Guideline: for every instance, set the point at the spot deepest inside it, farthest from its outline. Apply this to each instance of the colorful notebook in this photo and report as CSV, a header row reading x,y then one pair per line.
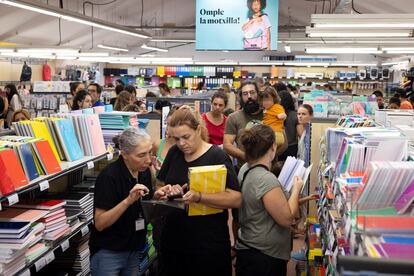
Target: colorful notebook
x,y
96,136
67,136
12,175
20,214
41,204
46,157
406,199
40,131
27,160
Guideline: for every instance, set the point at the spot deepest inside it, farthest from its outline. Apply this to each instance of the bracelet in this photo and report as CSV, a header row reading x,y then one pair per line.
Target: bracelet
x,y
199,199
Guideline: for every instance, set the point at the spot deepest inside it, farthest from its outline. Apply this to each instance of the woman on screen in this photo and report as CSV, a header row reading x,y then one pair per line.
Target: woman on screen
x,y
257,28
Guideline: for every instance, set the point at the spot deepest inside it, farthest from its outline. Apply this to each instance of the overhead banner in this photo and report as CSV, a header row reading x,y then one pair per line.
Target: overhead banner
x,y
250,25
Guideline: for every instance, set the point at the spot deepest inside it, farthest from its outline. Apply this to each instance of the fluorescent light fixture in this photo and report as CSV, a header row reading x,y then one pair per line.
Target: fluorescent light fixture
x,y
66,57
405,62
342,50
28,55
352,64
130,62
172,62
308,64
355,21
178,40
175,59
6,50
48,51
112,48
144,46
401,52
398,48
288,49
263,63
326,32
215,63
92,54
147,55
73,16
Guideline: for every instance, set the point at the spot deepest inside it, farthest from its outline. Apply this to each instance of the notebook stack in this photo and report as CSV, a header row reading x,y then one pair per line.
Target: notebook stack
x,y
293,167
15,238
12,175
87,129
148,254
77,203
59,132
75,259
113,123
55,220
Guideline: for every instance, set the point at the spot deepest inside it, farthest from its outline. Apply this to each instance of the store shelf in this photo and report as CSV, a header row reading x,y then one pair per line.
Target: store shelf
x,y
40,182
383,266
57,246
49,92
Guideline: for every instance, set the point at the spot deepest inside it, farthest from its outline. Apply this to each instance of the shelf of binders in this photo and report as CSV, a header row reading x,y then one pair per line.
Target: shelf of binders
x,y
57,247
42,182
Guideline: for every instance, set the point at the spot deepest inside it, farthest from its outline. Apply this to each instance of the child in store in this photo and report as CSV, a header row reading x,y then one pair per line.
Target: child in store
x,y
274,113
257,28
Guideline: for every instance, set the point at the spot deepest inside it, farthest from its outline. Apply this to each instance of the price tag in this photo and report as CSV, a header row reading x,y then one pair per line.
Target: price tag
x,y
44,185
109,156
65,245
49,257
25,273
84,230
13,199
40,264
90,165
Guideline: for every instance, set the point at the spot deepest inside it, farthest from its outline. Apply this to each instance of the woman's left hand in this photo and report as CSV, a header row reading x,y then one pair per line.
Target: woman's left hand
x,y
192,196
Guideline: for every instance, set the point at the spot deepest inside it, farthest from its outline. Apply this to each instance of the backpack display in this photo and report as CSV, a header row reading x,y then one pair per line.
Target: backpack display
x,y
26,74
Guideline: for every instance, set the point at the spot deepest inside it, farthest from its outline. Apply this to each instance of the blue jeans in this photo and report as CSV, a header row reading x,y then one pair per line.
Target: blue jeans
x,y
110,263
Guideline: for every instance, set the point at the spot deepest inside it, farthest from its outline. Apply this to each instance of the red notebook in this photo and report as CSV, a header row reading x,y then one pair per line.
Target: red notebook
x,y
12,175
40,204
46,157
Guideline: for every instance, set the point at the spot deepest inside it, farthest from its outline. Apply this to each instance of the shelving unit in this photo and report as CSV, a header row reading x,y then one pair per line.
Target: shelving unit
x,y
43,181
57,247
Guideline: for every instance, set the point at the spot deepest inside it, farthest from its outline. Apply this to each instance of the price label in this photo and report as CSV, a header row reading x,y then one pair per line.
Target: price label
x,y
109,156
25,273
90,165
49,257
13,199
44,185
65,245
84,230
40,264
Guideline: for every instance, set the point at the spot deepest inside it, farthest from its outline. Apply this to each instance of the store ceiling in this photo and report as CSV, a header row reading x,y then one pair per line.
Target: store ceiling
x,y
29,28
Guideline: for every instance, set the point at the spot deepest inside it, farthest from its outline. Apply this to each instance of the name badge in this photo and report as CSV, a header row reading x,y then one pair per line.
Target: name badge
x,y
139,224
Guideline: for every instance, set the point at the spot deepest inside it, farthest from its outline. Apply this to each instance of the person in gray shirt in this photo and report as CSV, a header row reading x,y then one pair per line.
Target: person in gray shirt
x,y
267,211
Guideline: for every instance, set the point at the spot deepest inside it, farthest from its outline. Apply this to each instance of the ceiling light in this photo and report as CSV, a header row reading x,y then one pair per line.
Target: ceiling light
x,y
154,48
308,64
326,32
376,21
171,62
130,62
173,40
112,48
93,54
352,64
215,63
28,55
396,63
73,16
48,51
398,50
288,49
340,50
401,52
6,50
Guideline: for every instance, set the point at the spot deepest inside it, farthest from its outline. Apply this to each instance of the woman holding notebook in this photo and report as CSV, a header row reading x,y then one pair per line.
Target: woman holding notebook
x,y
119,229
200,244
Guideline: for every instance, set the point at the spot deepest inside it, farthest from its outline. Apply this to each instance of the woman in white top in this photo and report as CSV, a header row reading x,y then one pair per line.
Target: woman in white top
x,y
15,102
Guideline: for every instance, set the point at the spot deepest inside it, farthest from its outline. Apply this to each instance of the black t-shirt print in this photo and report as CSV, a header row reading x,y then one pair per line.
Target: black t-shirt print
x,y
182,232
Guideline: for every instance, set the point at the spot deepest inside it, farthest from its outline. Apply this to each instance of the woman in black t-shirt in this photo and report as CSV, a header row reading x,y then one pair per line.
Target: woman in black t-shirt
x,y
119,229
195,245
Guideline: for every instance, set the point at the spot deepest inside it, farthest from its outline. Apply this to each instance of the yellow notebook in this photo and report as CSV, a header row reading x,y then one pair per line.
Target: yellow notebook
x,y
160,70
40,131
206,179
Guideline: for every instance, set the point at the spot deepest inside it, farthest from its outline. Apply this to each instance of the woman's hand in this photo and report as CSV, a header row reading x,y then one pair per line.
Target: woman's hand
x,y
177,189
297,184
192,196
161,193
136,192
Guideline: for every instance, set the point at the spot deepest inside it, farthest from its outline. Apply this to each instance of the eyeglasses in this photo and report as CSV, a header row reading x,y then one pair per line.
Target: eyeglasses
x,y
251,93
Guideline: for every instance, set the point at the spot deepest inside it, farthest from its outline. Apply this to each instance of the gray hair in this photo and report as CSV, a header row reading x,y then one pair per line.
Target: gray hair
x,y
130,138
